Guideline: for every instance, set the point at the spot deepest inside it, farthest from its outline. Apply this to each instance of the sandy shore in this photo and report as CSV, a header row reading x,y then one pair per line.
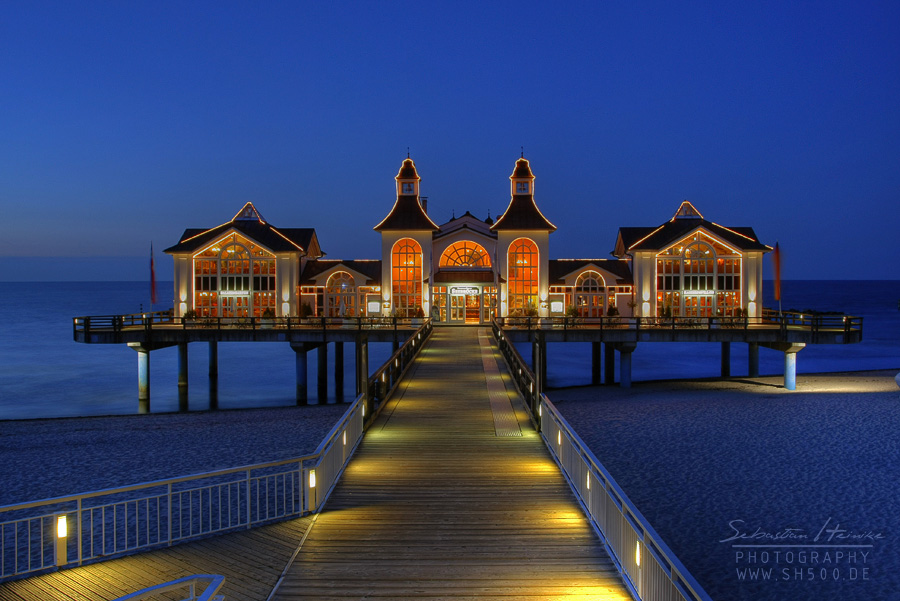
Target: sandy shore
x,y
694,456
55,457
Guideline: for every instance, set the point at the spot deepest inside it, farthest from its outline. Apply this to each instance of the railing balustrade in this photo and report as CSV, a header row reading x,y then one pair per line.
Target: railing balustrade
x,y
71,530
212,585
646,563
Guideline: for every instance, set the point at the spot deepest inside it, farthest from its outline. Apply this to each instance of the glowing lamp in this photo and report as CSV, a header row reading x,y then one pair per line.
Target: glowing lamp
x,y
62,557
646,295
587,481
182,308
345,437
285,308
645,309
312,478
558,437
540,410
637,553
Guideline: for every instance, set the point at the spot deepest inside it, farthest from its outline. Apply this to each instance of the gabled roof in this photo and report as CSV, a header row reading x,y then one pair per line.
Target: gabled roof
x,y
250,223
466,221
562,268
371,269
686,221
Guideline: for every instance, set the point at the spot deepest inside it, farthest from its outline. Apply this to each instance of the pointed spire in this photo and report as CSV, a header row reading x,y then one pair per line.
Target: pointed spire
x,y
522,212
408,213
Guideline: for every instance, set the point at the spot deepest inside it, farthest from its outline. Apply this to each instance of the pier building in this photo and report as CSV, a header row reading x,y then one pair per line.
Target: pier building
x,y
469,270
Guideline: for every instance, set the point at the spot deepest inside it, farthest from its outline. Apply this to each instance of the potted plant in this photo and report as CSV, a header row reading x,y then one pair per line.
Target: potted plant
x,y
418,315
268,318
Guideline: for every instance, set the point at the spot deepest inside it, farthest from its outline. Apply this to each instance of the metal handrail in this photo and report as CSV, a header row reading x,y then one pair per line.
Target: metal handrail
x,y
584,472
215,582
127,519
624,530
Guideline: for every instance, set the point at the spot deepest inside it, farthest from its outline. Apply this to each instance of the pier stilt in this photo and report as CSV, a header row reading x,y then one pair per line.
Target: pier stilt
x,y
596,363
300,366
790,351
362,371
322,383
339,370
726,359
753,359
182,376
143,381
609,358
213,375
625,351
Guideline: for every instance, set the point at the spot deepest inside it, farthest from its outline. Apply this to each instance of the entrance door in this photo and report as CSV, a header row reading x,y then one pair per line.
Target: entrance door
x,y
698,305
473,308
457,308
235,305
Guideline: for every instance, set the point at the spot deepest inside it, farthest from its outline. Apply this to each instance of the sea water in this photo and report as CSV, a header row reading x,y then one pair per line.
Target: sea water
x,y
44,373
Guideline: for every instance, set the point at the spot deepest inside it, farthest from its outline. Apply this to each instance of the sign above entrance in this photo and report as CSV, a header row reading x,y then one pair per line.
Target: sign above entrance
x,y
464,290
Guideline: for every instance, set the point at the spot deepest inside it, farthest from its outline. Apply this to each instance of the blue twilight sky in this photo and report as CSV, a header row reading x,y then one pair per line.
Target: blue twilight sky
x,y
126,122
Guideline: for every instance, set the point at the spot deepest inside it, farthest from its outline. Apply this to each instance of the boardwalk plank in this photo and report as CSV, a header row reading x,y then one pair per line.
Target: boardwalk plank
x,y
441,502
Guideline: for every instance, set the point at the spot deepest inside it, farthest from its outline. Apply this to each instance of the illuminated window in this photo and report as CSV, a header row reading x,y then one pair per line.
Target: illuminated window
x,y
406,277
521,187
522,275
408,188
234,277
590,294
698,277
465,254
340,295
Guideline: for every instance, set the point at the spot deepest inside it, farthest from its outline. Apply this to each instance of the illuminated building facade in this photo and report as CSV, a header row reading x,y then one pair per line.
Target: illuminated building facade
x,y
469,270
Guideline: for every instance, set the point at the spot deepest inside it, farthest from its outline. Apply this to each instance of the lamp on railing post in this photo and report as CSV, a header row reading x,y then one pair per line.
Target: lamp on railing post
x,y
62,538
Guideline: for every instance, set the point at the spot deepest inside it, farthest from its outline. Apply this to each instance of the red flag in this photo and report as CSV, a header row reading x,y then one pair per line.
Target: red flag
x,y
776,268
153,297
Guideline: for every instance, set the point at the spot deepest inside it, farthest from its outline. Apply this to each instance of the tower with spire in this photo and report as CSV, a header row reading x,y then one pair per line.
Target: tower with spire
x,y
406,235
523,226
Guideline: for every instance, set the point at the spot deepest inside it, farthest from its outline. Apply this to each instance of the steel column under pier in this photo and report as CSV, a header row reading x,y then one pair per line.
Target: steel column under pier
x,y
753,359
322,383
625,350
609,358
726,359
300,367
182,376
596,363
339,370
213,375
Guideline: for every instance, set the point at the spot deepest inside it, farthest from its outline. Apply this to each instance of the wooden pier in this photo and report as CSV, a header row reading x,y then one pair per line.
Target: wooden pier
x,y
451,494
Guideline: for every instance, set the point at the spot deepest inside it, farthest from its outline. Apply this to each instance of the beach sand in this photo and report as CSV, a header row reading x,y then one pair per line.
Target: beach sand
x,y
695,455
55,457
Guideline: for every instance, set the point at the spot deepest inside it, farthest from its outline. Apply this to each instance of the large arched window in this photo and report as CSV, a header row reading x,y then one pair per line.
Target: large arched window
x,y
522,274
590,294
234,277
406,276
698,277
465,254
340,295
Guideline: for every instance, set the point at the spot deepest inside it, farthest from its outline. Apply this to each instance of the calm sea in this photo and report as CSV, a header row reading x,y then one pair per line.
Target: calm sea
x,y
43,373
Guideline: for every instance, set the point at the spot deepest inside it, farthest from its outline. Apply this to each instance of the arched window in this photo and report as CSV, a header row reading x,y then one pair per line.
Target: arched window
x,y
522,274
406,276
340,295
590,294
698,277
465,254
234,277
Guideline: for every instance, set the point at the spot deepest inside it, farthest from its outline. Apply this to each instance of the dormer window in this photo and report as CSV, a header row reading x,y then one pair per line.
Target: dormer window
x,y
407,188
521,187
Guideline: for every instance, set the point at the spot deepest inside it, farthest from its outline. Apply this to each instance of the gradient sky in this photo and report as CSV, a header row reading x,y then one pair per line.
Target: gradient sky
x,y
126,122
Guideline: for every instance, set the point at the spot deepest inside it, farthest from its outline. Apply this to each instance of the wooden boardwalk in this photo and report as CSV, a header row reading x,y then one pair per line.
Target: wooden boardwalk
x,y
441,502
451,495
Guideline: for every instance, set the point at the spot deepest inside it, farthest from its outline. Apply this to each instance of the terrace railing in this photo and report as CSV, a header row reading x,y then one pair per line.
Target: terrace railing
x,y
82,327
211,583
71,530
646,563
783,322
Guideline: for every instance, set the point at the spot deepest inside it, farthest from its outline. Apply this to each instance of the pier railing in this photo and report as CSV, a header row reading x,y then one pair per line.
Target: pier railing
x,y
71,530
118,325
810,327
646,563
